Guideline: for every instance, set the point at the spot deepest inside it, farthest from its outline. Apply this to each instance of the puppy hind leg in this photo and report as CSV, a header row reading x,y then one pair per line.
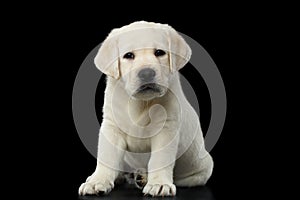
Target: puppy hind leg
x,y
200,178
193,180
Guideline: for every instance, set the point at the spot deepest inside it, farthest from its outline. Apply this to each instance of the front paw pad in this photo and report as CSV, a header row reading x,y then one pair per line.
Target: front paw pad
x,y
160,189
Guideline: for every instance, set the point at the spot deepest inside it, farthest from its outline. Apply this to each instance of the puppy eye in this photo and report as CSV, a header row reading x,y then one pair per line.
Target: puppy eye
x,y
128,55
159,52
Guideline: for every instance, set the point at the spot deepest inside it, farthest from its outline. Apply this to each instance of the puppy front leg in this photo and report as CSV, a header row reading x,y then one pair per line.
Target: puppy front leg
x,y
111,148
160,167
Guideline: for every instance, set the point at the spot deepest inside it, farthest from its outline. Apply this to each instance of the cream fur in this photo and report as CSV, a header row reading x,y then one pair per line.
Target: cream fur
x,y
164,124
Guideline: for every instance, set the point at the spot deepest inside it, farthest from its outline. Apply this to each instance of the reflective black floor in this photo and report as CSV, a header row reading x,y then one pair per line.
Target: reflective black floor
x,y
126,191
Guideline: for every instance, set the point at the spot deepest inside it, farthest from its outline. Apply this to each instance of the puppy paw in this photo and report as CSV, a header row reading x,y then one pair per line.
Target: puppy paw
x,y
95,187
160,189
140,178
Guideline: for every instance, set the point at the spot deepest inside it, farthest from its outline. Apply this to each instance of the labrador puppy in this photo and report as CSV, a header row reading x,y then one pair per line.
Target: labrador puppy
x,y
147,121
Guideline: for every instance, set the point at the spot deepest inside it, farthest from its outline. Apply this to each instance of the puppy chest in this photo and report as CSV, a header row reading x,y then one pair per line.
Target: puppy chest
x,y
139,114
138,145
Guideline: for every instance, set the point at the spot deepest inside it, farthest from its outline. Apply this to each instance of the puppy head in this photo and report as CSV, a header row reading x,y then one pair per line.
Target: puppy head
x,y
143,55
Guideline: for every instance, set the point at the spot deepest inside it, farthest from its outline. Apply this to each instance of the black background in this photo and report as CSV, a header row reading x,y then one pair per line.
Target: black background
x,y
54,40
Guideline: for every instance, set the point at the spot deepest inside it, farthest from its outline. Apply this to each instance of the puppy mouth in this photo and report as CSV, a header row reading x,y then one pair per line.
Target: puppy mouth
x,y
149,91
150,87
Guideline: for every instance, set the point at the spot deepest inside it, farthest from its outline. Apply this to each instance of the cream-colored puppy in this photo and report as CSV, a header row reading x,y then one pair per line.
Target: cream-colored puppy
x,y
147,121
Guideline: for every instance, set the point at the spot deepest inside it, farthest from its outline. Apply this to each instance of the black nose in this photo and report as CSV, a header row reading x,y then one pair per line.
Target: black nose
x,y
146,74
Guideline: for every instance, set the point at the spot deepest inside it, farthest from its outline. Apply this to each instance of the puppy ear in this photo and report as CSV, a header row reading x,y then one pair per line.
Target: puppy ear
x,y
107,58
179,51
